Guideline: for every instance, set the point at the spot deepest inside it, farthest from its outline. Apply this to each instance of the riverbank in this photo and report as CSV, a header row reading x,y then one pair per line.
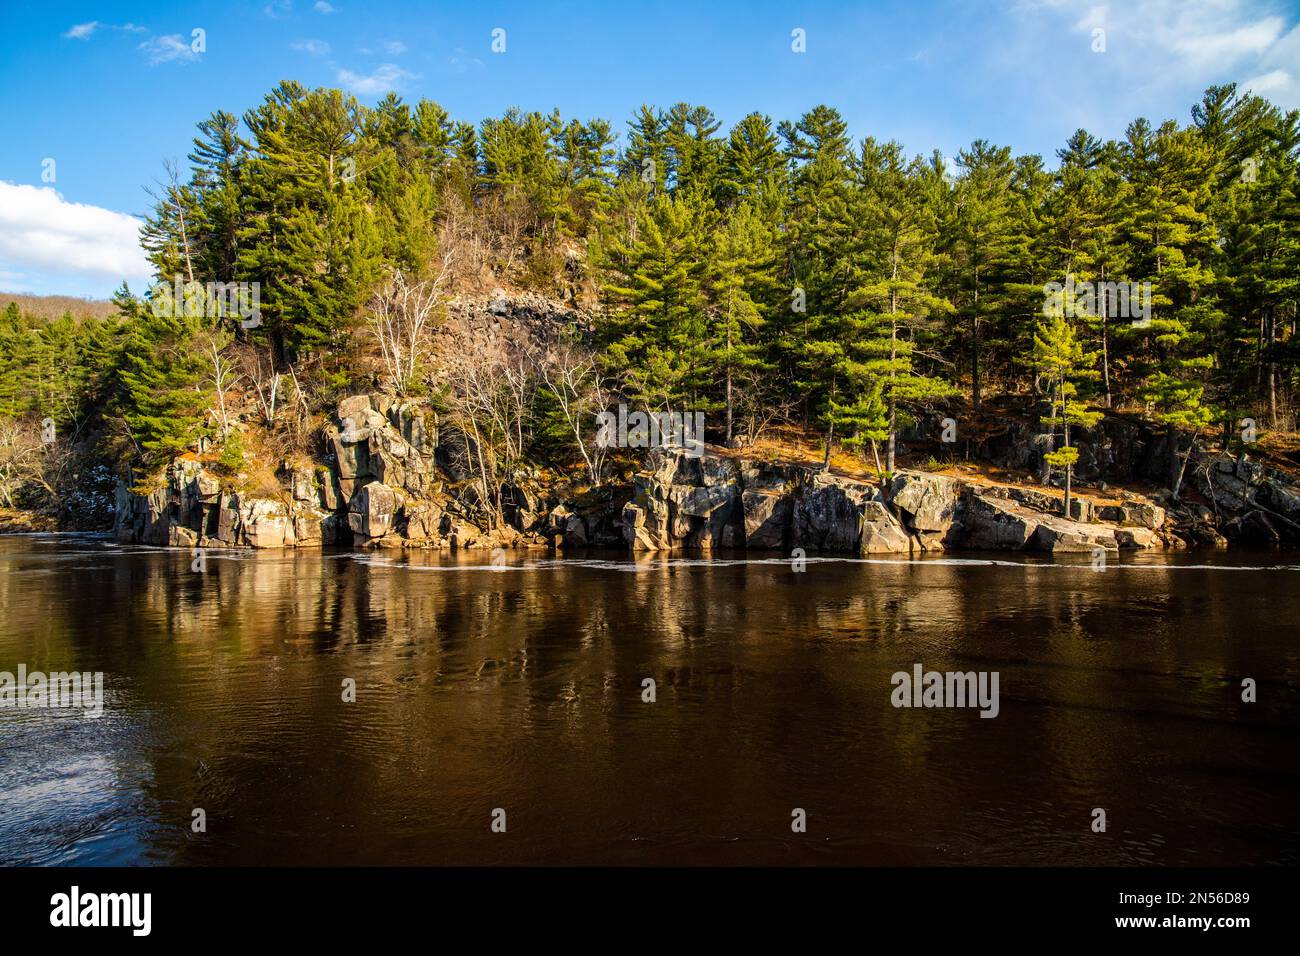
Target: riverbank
x,y
388,478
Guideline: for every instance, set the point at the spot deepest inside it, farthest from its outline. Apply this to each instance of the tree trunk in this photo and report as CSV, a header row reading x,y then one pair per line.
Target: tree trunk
x,y
1178,479
1069,473
728,442
975,347
1171,439
893,354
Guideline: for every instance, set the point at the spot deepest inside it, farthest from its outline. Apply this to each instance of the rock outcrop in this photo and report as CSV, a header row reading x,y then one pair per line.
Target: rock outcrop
x,y
380,486
391,478
684,504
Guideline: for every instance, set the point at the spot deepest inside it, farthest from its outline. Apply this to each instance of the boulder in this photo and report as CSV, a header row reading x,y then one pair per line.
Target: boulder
x,y
996,525
303,484
1137,539
575,533
423,519
266,524
702,516
881,531
351,453
827,515
373,510
1136,514
930,506
645,525
1059,535
767,518
229,521
353,408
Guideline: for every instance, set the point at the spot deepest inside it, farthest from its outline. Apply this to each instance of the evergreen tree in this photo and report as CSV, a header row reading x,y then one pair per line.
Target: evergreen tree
x,y
1059,358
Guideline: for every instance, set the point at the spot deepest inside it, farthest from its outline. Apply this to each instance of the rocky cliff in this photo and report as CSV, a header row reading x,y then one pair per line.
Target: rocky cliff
x,y
387,478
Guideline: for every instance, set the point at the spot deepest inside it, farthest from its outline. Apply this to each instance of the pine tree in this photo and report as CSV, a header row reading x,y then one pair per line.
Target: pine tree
x,y
657,334
890,291
1173,239
1059,358
753,169
983,234
742,292
165,398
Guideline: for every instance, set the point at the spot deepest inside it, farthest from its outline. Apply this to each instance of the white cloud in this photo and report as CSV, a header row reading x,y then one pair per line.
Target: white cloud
x,y
1207,33
82,31
1268,82
1279,79
1251,39
312,47
168,49
395,47
1155,49
323,8
278,8
461,62
387,77
68,242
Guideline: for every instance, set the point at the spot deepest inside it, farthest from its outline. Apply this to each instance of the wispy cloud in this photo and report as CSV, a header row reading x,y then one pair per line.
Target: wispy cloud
x,y
1251,39
40,229
1268,82
462,62
388,76
312,47
395,47
324,8
1162,44
82,31
171,48
278,8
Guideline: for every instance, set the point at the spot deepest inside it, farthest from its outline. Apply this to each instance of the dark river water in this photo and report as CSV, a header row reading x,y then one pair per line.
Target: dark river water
x,y
521,689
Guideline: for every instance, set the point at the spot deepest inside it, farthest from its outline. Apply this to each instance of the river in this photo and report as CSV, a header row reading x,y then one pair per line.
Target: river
x,y
521,688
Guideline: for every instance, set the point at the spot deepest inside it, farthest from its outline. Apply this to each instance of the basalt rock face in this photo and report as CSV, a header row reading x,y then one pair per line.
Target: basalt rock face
x,y
380,486
1251,503
390,477
711,502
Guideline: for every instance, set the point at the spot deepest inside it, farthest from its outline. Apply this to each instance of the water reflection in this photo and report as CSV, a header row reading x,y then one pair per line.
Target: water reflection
x,y
521,688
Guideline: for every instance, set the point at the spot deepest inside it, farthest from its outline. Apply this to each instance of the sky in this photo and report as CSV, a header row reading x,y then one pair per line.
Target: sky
x,y
95,96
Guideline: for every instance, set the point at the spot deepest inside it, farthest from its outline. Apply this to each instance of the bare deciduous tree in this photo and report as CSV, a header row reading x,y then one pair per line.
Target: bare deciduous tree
x,y
259,369
572,375
27,458
401,316
222,375
488,387
760,403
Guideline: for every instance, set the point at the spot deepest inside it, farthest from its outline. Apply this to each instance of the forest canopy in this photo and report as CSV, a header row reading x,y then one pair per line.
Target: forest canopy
x,y
776,271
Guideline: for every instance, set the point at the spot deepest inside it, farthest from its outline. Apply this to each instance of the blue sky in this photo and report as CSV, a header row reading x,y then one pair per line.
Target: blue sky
x,y
109,90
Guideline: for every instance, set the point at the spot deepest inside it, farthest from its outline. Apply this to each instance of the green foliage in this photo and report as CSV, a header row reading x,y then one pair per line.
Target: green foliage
x,y
167,394
234,455
846,284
